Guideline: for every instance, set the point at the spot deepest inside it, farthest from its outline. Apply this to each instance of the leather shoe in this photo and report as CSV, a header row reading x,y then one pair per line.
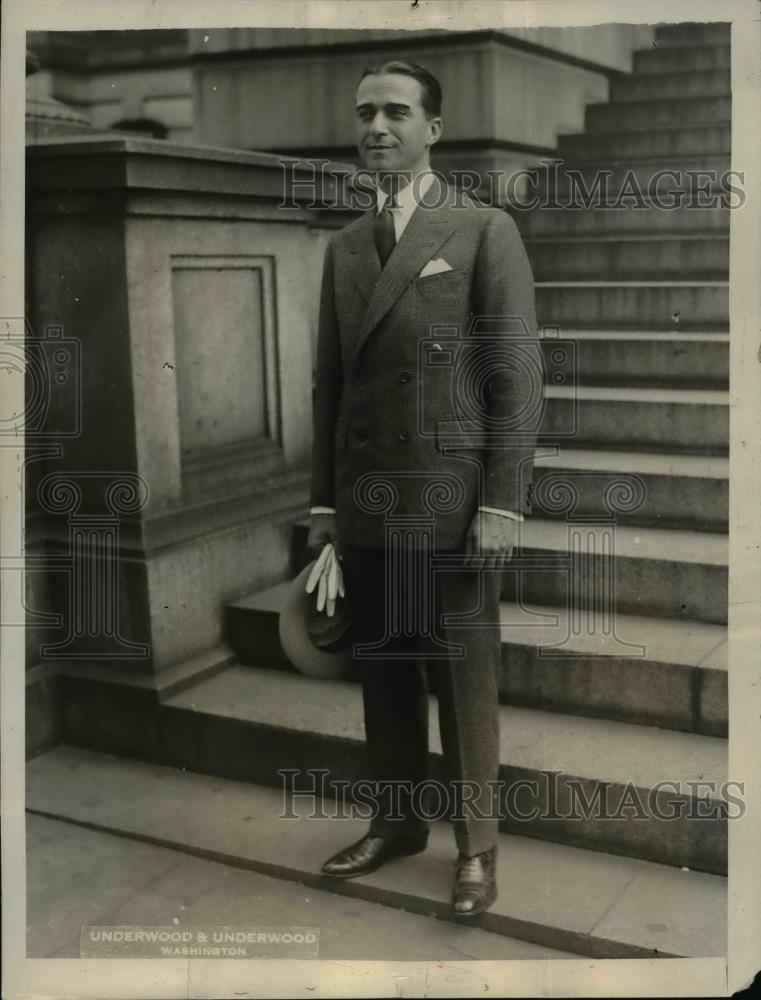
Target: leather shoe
x,y
475,884
370,852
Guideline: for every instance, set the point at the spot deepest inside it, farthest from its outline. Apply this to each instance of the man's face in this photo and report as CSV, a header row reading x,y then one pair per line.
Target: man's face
x,y
393,133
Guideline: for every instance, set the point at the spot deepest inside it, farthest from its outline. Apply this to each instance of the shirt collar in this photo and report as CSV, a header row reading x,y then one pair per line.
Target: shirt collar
x,y
405,200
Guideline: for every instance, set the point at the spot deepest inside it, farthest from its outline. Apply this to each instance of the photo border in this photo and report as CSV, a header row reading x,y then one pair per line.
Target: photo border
x,y
273,977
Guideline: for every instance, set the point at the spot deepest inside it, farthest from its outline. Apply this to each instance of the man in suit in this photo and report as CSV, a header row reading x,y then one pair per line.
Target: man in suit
x,y
427,400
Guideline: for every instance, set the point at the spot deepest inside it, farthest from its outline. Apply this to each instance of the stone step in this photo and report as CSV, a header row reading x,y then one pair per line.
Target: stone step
x,y
684,220
660,86
681,59
612,258
600,569
667,305
647,115
250,723
703,180
552,895
691,34
687,140
119,880
643,671
676,491
638,358
631,358
647,671
640,419
666,573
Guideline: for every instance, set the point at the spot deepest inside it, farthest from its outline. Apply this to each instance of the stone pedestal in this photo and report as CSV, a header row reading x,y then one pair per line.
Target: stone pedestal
x,y
174,309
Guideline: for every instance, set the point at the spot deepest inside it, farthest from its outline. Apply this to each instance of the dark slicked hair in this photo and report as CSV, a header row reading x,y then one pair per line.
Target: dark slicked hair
x,y
431,96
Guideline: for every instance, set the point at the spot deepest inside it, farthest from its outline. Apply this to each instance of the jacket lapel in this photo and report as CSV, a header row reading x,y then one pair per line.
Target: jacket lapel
x,y
425,232
365,267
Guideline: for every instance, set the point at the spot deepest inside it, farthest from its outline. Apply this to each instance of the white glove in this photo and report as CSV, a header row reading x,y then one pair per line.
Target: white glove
x,y
327,576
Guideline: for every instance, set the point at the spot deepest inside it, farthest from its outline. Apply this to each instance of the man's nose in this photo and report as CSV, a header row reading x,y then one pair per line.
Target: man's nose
x,y
378,125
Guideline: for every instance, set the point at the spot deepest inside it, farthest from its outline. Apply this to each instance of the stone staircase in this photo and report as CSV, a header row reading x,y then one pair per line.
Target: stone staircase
x,y
638,368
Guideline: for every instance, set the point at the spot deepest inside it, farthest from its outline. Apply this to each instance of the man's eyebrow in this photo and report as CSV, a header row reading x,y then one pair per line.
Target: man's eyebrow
x,y
389,105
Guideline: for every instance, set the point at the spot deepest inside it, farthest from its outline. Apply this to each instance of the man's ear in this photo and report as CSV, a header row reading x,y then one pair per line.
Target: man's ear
x,y
435,128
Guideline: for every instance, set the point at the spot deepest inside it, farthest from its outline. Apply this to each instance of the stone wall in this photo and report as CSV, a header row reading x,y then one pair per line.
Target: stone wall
x,y
512,90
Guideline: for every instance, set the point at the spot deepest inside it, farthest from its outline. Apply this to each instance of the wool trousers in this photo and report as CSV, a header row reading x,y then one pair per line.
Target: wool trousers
x,y
406,641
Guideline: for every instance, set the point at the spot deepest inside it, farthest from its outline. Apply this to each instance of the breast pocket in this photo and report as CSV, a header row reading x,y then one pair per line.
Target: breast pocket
x,y
443,281
441,298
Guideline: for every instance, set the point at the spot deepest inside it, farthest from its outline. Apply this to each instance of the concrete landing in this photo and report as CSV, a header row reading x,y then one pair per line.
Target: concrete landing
x,y
552,895
81,877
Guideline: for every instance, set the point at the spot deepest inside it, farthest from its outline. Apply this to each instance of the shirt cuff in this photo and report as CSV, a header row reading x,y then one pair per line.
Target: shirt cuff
x,y
505,513
322,510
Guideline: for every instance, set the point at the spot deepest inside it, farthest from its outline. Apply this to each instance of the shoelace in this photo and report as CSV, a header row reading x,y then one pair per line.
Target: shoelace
x,y
469,867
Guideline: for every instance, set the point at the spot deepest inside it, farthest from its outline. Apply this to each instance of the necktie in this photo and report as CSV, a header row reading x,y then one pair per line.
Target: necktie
x,y
385,236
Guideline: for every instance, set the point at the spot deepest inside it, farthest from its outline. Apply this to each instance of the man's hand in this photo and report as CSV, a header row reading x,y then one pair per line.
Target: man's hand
x,y
322,529
490,540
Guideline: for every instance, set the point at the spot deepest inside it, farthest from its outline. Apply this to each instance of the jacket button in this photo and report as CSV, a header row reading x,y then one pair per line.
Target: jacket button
x,y
404,377
404,435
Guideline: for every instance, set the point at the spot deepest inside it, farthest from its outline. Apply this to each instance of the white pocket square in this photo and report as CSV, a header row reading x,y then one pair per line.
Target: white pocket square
x,y
435,267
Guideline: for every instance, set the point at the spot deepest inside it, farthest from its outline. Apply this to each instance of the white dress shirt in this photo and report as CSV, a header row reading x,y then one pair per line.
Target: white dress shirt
x,y
405,200
406,204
